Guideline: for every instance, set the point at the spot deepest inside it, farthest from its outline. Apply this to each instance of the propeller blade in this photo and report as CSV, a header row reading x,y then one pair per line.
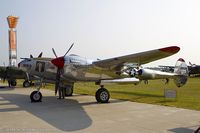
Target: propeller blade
x,y
69,49
54,53
40,55
58,74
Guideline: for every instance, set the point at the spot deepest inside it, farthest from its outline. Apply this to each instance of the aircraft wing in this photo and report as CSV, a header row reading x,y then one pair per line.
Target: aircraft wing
x,y
2,71
139,58
11,72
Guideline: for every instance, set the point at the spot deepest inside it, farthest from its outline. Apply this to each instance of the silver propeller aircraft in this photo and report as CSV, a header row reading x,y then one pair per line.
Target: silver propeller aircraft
x,y
179,75
66,70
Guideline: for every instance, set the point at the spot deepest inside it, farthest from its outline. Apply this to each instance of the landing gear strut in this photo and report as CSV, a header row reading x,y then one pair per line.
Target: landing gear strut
x,y
12,82
102,95
36,96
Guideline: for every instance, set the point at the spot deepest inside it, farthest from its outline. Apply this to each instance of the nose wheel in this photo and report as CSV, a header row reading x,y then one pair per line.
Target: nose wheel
x,y
36,96
102,95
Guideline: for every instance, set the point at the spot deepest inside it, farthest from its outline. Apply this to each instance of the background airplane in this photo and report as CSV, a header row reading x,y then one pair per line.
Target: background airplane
x,y
179,75
65,70
194,70
11,74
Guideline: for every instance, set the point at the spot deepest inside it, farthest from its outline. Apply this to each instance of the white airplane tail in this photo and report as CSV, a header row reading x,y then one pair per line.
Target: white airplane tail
x,y
181,71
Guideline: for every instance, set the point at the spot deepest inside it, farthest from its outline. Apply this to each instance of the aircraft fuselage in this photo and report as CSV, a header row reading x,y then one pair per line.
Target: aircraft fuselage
x,y
76,68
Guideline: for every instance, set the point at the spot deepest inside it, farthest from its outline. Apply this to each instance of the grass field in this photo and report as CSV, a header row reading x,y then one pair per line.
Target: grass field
x,y
188,96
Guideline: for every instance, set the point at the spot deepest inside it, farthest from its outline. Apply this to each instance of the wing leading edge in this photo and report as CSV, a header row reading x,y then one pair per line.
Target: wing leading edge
x,y
139,58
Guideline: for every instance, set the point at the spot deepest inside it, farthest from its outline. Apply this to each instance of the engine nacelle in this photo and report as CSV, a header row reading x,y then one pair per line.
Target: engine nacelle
x,y
145,74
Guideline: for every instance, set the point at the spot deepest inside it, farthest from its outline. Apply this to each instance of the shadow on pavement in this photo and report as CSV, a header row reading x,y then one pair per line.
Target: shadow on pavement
x,y
6,88
65,115
181,130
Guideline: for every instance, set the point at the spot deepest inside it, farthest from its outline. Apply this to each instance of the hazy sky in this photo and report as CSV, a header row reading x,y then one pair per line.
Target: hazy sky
x,y
103,28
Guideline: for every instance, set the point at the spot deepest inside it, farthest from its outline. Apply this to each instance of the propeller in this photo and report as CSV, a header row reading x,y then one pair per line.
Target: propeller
x,y
69,49
59,63
58,75
54,53
39,56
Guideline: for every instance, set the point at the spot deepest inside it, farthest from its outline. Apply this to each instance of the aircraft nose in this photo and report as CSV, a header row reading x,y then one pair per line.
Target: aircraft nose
x,y
58,62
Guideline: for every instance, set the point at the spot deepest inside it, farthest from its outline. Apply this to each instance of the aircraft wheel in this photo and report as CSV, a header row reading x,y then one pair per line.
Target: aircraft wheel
x,y
36,96
102,95
69,90
26,84
13,83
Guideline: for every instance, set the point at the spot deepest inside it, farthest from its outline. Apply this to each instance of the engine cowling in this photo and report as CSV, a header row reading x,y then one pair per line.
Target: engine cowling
x,y
145,74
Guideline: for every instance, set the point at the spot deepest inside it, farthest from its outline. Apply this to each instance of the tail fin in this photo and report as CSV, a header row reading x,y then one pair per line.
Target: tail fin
x,y
181,70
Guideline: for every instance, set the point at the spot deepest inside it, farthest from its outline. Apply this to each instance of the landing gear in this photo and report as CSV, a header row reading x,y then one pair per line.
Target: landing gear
x,y
146,82
26,84
102,95
36,96
69,90
65,91
12,83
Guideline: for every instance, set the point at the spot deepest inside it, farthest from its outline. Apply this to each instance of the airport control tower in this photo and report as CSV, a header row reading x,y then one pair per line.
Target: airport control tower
x,y
12,23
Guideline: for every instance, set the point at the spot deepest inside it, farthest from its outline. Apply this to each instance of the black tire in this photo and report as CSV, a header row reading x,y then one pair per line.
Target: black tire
x,y
36,96
13,83
26,84
102,95
69,90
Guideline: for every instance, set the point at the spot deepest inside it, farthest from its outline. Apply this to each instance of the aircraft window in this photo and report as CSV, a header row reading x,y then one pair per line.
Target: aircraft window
x,y
40,66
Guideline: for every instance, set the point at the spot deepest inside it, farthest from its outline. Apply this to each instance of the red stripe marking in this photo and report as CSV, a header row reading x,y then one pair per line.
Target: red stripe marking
x,y
181,59
172,49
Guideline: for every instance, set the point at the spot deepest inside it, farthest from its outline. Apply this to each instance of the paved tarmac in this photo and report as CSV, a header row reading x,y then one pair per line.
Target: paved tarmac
x,y
81,114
